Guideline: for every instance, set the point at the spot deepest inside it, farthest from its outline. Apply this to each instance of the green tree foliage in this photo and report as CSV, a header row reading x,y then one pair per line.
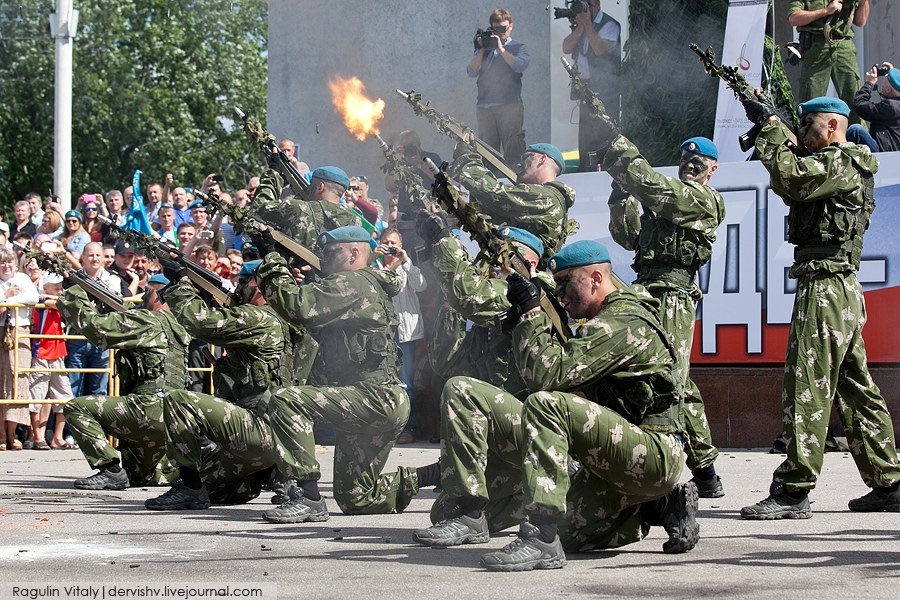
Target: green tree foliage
x,y
667,97
153,86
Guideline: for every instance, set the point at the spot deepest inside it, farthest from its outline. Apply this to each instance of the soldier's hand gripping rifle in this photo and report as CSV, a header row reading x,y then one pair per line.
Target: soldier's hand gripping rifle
x,y
292,251
742,89
52,263
497,250
446,125
204,280
275,156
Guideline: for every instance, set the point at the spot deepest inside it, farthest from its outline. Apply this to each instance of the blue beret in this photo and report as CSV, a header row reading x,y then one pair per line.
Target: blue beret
x,y
197,204
893,78
159,278
824,104
73,213
525,237
551,151
577,254
702,146
333,174
348,233
249,268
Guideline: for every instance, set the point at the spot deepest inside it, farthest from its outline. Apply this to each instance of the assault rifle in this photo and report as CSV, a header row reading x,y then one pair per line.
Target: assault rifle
x,y
395,165
493,247
283,164
588,96
293,251
446,125
52,263
742,89
201,278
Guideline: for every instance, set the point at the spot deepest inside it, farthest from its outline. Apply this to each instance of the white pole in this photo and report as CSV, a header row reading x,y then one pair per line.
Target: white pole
x,y
63,24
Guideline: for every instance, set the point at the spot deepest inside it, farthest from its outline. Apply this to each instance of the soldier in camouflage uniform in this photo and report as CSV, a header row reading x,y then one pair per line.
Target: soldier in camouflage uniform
x,y
151,359
826,43
537,203
303,220
609,398
354,387
830,195
481,433
672,238
261,352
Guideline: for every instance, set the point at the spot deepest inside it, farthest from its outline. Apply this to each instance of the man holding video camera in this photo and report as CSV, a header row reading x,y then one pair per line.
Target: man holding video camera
x,y
499,63
596,49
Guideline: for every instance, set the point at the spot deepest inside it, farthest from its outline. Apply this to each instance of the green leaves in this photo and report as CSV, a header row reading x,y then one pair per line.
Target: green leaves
x,y
153,86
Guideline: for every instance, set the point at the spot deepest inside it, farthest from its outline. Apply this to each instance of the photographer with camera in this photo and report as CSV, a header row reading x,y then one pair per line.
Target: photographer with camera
x,y
596,49
499,63
882,114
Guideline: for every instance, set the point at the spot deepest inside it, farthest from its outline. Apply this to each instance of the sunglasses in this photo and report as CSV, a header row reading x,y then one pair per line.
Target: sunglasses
x,y
72,221
86,209
355,188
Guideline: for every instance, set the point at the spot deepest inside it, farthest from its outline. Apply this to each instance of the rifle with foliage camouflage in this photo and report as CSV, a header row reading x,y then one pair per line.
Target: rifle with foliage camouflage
x,y
292,251
53,263
742,89
275,156
446,125
204,280
495,249
395,166
588,96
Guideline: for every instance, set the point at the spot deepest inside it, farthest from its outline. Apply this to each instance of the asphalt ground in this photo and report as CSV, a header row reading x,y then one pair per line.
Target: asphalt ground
x,y
54,535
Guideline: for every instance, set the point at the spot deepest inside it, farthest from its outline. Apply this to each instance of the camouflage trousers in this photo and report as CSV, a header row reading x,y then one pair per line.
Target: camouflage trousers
x,y
246,450
623,466
366,420
825,362
823,63
481,450
677,315
137,421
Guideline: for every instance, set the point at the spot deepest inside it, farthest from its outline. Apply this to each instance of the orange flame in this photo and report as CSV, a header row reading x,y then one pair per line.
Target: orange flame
x,y
360,114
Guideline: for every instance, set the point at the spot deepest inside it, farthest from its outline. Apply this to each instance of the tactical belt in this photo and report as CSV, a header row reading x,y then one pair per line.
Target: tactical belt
x,y
678,275
815,252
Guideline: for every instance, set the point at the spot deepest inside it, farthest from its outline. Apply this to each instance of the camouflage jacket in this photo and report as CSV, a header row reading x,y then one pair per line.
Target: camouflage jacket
x,y
620,359
830,196
301,220
541,209
350,315
485,350
152,345
674,234
262,351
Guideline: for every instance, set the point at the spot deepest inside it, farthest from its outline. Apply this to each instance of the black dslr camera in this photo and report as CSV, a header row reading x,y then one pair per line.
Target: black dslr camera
x,y
881,70
484,38
573,7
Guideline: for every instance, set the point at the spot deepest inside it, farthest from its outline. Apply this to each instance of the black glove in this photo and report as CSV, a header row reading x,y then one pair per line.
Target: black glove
x,y
431,227
273,161
68,282
522,293
263,241
607,131
757,111
172,269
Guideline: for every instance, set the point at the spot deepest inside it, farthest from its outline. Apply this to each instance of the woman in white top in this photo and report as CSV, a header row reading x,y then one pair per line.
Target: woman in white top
x,y
15,288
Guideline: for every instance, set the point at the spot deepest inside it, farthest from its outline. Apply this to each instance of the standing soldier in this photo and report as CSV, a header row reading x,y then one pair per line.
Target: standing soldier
x,y
672,237
261,352
538,203
151,360
354,387
830,198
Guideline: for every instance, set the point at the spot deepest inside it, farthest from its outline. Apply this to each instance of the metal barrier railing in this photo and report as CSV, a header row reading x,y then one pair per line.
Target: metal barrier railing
x,y
17,369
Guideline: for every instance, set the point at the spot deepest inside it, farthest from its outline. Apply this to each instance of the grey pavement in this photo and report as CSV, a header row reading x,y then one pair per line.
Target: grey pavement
x,y
50,532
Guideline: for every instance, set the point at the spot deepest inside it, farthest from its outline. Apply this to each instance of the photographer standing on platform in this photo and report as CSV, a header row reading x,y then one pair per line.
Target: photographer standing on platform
x,y
498,63
595,44
882,112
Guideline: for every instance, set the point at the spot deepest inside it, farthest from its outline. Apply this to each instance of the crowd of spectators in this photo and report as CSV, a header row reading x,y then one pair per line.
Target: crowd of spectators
x,y
80,237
